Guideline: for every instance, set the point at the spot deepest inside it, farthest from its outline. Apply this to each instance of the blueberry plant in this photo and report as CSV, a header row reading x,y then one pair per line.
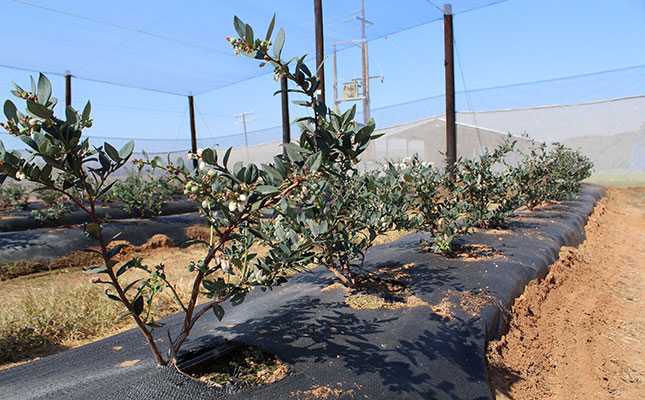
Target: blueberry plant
x,y
267,207
486,190
141,196
13,196
548,173
437,205
56,207
485,184
60,160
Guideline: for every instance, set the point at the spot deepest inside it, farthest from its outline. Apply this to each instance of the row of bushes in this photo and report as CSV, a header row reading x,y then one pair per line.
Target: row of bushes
x,y
138,195
308,205
486,190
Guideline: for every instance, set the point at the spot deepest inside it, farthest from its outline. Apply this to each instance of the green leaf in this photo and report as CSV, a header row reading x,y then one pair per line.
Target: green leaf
x,y
105,162
248,31
86,111
259,234
95,270
226,156
219,311
273,172
39,110
238,298
239,26
279,165
156,162
209,156
10,111
106,189
267,189
130,285
111,296
126,150
294,152
270,30
137,305
29,142
112,152
279,43
251,173
192,242
44,89
349,115
114,251
70,115
127,266
314,161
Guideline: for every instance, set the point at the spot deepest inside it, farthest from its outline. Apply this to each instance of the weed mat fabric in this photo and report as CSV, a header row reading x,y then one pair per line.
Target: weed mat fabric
x,y
51,243
23,220
335,351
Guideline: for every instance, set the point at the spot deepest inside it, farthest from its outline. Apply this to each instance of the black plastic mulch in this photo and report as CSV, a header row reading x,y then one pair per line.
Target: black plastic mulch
x,y
409,353
51,243
24,220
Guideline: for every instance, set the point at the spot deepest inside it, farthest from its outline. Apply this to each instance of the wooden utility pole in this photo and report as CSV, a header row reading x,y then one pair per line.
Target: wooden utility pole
x,y
193,135
335,77
451,127
366,68
320,51
286,129
68,88
244,116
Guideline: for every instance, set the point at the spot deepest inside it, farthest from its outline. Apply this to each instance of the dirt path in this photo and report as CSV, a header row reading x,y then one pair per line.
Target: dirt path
x,y
580,333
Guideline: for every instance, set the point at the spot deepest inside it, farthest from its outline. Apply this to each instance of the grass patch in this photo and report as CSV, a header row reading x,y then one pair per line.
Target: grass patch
x,y
53,316
14,269
618,178
377,293
52,306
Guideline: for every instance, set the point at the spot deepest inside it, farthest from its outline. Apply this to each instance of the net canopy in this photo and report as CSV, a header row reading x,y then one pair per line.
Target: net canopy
x,y
179,46
552,70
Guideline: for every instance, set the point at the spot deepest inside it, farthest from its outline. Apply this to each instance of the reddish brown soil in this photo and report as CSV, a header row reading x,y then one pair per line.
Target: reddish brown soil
x,y
579,333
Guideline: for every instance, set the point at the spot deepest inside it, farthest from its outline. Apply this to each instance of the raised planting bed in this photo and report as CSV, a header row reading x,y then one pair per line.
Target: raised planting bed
x,y
433,348
51,243
24,220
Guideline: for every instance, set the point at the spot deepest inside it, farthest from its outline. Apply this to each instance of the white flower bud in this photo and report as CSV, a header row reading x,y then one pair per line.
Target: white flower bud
x,y
205,204
243,198
20,175
232,206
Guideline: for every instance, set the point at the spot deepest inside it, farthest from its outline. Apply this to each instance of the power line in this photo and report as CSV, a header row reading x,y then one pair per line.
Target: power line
x,y
205,124
435,6
470,105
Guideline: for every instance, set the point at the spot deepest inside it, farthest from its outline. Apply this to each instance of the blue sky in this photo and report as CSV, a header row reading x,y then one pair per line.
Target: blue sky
x,y
513,42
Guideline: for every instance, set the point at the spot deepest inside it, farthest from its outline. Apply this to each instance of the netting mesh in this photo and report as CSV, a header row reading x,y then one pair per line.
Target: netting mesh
x,y
177,49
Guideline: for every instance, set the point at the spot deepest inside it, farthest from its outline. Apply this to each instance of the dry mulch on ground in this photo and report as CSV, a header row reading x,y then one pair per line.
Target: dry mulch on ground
x,y
579,333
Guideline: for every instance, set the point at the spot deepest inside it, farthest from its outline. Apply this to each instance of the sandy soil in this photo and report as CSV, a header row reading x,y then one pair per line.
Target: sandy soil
x,y
579,333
